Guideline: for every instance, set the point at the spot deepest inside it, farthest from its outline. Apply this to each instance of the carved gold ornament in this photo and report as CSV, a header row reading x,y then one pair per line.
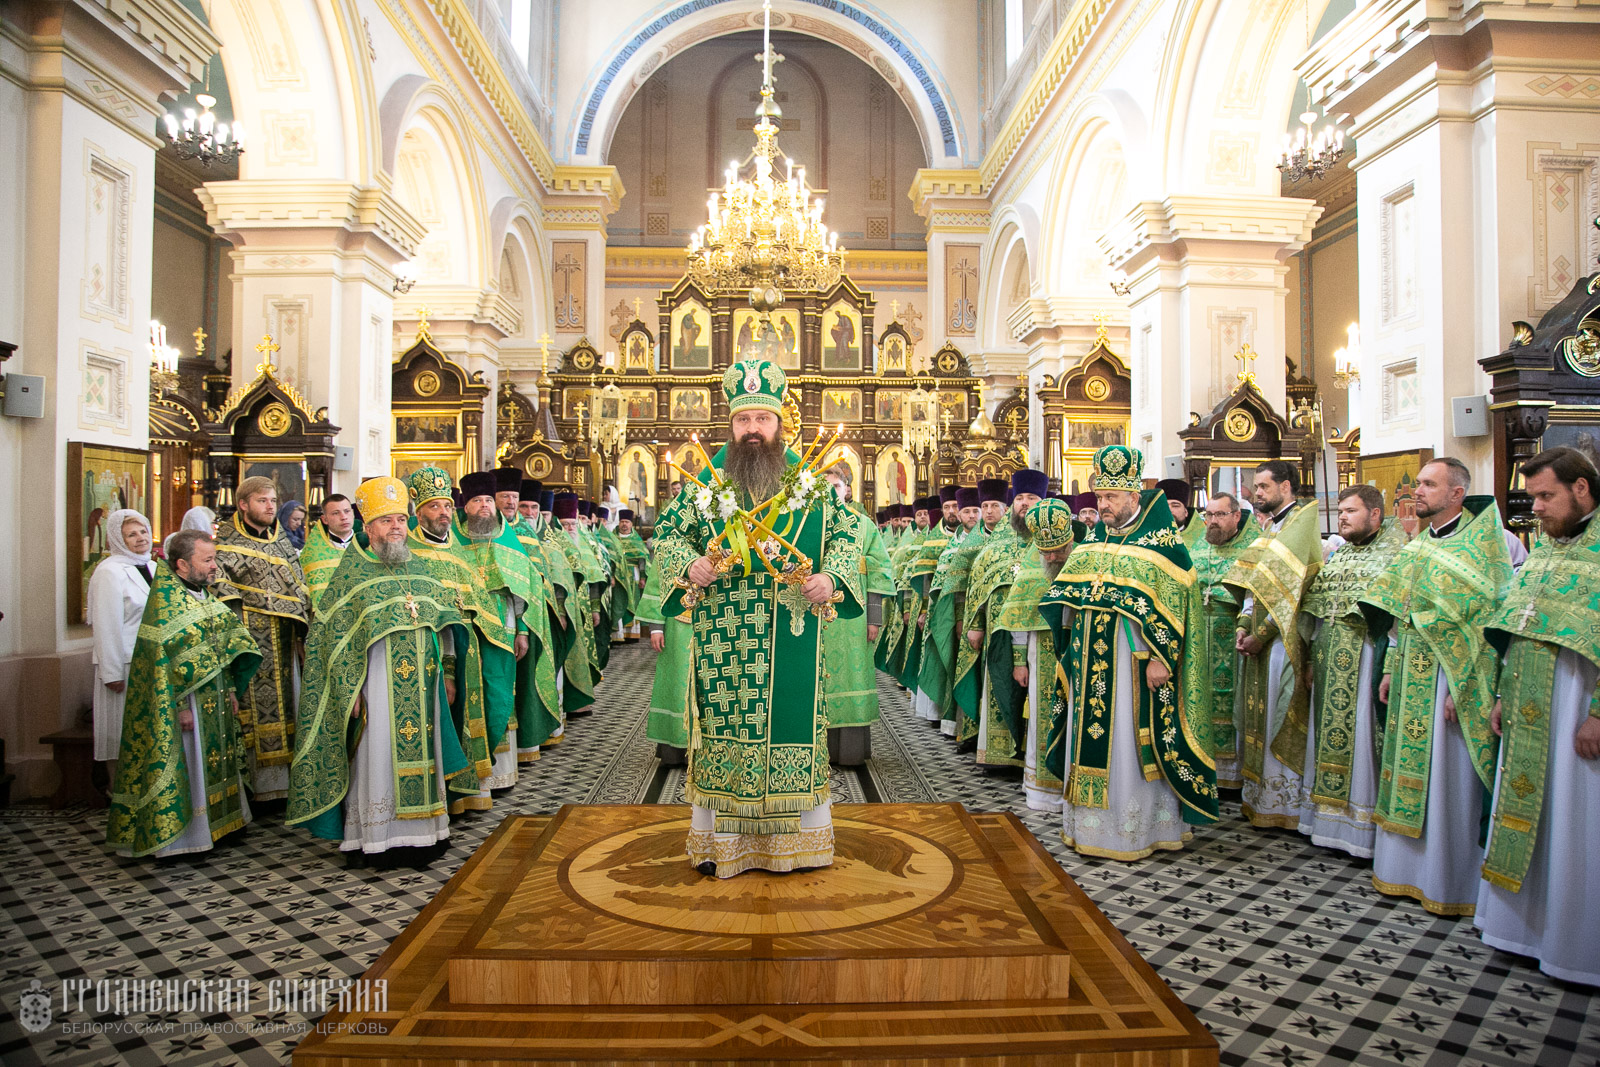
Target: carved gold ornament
x,y
1240,425
1097,389
426,383
274,420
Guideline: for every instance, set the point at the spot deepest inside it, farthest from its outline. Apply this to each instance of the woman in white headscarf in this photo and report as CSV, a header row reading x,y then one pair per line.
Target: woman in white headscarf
x,y
117,591
199,518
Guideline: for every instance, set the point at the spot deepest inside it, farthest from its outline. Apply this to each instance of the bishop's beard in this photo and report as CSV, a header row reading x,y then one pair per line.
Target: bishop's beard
x,y
1053,568
483,525
755,464
392,553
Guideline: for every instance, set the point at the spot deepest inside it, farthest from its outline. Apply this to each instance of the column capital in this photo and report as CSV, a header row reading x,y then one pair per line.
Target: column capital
x,y
583,198
278,213
1252,229
1058,320
951,201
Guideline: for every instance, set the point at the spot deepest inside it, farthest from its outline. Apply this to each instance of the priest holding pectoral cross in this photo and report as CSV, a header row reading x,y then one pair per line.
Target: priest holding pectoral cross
x,y
376,747
758,591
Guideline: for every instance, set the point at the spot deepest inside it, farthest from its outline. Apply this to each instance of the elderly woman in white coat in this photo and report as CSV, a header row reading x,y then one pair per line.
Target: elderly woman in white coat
x,y
117,591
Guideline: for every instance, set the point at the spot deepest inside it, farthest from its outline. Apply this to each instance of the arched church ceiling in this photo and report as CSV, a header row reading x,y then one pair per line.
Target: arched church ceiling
x,y
872,29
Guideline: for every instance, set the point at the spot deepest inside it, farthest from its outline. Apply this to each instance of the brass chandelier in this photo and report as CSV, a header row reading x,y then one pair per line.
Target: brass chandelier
x,y
764,235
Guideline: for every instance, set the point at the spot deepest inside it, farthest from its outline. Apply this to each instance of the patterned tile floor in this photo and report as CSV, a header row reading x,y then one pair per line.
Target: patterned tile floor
x,y
1282,949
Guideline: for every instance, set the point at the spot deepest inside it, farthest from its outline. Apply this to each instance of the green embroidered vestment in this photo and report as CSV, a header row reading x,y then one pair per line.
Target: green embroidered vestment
x,y
186,647
1438,593
1336,655
1139,577
1553,603
848,670
1216,639
758,752
367,602
1275,570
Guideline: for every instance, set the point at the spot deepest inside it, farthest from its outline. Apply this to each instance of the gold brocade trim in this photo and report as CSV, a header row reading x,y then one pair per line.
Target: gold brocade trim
x,y
243,551
1113,854
1399,830
768,852
265,593
470,804
1391,889
1282,822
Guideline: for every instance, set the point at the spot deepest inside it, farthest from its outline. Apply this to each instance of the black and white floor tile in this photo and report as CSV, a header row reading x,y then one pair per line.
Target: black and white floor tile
x,y
1283,950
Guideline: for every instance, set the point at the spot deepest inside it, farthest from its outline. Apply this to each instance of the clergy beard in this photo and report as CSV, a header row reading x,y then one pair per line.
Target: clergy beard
x,y
1019,523
1051,569
392,553
483,525
755,464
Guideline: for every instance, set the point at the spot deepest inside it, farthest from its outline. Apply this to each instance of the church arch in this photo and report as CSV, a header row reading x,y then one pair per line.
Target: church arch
x,y
643,47
1009,276
436,180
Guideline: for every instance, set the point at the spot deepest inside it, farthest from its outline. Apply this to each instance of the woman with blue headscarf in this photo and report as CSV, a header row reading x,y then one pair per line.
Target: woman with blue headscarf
x,y
292,517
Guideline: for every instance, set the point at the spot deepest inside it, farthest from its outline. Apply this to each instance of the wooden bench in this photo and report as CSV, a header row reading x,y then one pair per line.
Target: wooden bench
x,y
73,750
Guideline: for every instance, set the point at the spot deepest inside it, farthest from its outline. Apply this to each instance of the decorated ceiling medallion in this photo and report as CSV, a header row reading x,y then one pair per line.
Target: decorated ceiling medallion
x,y
1240,425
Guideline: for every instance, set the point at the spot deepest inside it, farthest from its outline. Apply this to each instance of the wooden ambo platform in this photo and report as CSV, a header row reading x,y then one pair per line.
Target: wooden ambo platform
x,y
936,937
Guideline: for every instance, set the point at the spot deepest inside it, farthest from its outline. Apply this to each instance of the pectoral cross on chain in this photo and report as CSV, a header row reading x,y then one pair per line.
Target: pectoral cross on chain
x,y
1526,616
411,605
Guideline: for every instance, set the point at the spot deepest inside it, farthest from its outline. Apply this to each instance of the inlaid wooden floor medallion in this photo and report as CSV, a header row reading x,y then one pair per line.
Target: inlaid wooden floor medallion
x,y
936,937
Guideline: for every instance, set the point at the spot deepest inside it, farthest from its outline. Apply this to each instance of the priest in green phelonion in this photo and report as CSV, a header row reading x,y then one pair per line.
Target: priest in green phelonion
x,y
376,747
1134,747
1541,866
1340,766
179,785
764,554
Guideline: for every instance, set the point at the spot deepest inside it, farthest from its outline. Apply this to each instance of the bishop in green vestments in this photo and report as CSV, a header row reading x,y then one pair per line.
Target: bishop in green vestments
x,y
1134,747
1542,867
758,755
179,784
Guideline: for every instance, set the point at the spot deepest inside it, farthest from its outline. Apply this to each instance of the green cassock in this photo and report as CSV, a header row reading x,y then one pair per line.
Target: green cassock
x,y
367,602
851,679
893,625
1019,613
634,554
939,633
1276,569
574,562
1141,578
902,654
605,600
319,558
920,572
1441,592
758,753
668,719
985,692
1553,604
1216,640
1336,655
186,647
538,696
963,685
